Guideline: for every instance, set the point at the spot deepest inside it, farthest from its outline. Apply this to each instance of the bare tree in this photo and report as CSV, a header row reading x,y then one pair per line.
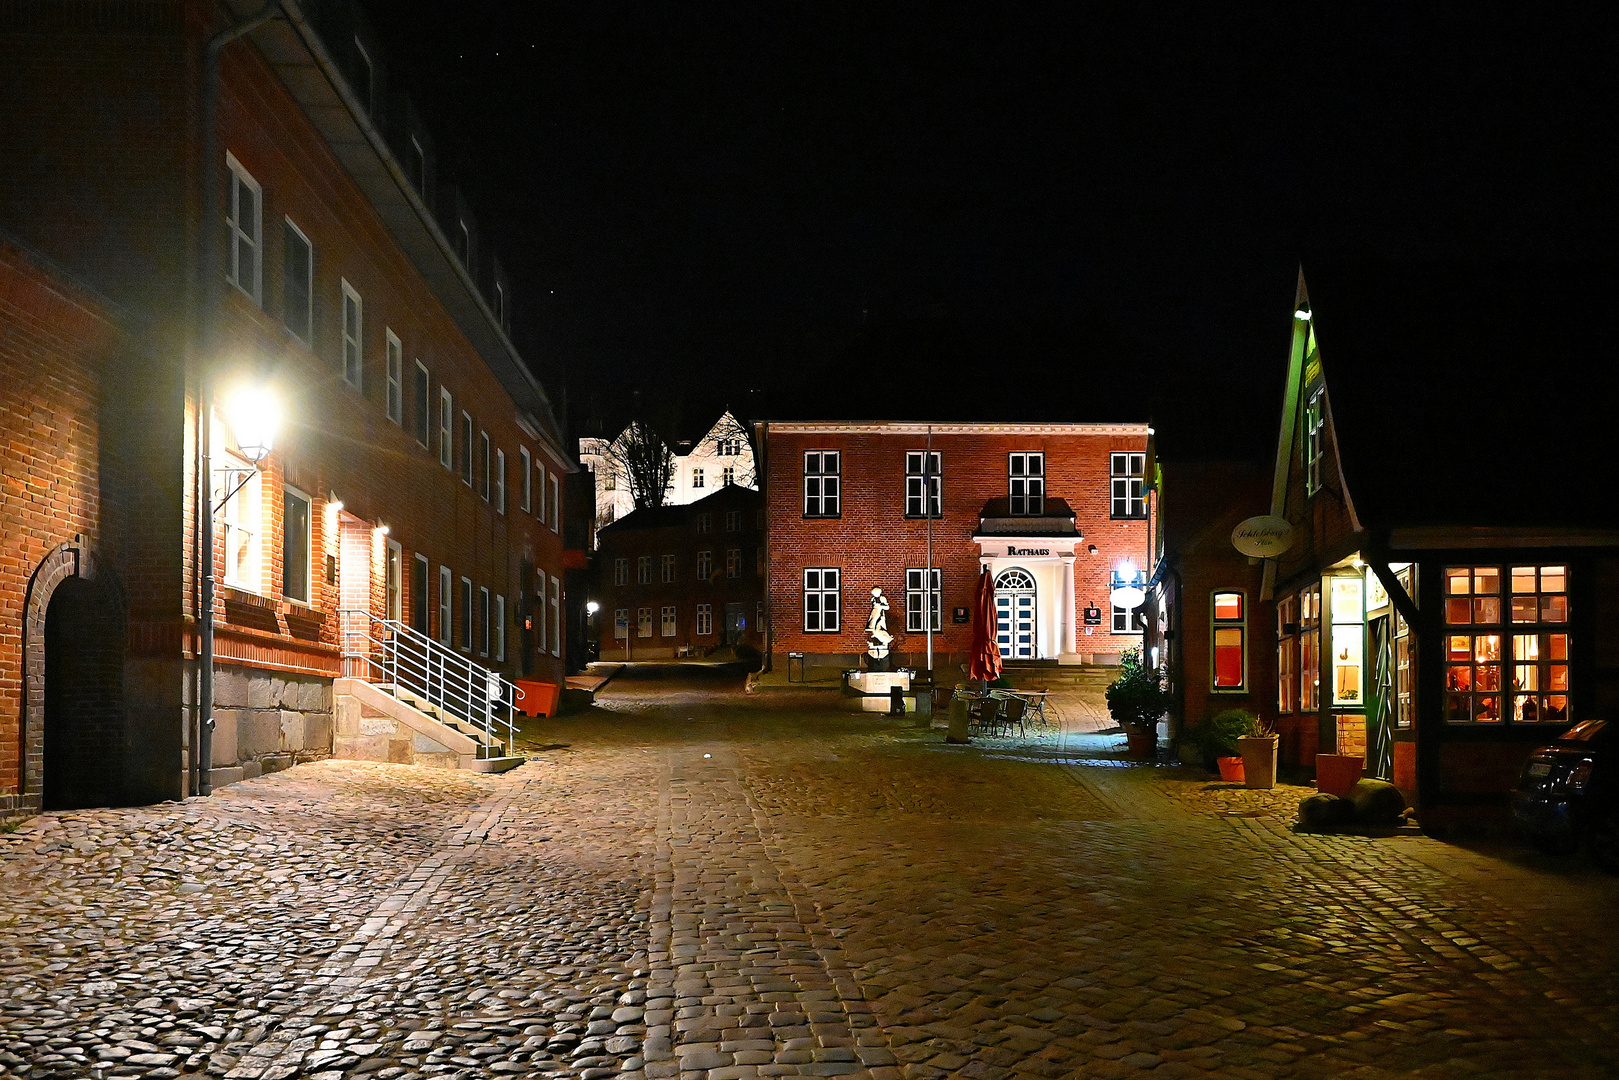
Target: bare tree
x,y
731,439
640,460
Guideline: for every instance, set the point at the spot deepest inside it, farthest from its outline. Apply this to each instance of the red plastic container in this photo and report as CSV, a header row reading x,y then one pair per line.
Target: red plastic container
x,y
537,698
1231,770
1335,774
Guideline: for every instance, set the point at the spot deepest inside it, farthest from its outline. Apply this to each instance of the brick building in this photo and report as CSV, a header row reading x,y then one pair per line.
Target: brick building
x,y
1057,513
1207,621
682,580
261,209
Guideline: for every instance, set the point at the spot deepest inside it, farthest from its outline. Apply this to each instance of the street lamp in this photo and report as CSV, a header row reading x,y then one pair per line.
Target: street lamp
x,y
253,415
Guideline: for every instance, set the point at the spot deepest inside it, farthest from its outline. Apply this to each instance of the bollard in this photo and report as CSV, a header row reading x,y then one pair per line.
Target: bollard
x,y
958,720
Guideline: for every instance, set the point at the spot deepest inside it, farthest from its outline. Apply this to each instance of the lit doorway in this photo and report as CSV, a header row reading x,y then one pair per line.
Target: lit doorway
x,y
1014,614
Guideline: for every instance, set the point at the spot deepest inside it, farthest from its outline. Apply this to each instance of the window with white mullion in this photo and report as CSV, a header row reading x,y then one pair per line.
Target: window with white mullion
x,y
244,205
297,282
446,414
1128,491
924,484
917,597
353,329
822,606
396,378
1026,484
822,483
525,461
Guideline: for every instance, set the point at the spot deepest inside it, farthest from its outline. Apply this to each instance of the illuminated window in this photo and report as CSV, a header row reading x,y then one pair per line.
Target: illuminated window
x,y
924,484
1537,691
1129,480
1346,601
822,600
1405,702
241,521
1287,654
1229,635
1026,484
1310,649
822,479
1315,430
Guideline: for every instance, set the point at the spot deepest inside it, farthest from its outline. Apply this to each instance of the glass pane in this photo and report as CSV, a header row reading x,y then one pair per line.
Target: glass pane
x,y
1487,677
1487,710
1487,647
1524,609
1523,579
1346,599
1486,579
1228,605
1456,708
1459,647
1526,646
1557,646
1556,711
1458,611
1458,581
1459,678
1553,579
1554,609
1525,709
1557,677
1346,663
1487,610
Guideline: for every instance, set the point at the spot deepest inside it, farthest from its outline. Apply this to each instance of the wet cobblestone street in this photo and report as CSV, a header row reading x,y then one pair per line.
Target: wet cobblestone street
x,y
691,882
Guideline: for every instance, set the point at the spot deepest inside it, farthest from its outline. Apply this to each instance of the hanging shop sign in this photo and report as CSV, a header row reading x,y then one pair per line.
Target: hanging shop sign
x,y
1128,597
1262,537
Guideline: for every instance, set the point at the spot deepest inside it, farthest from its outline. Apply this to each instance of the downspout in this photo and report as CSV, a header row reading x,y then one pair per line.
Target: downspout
x,y
213,274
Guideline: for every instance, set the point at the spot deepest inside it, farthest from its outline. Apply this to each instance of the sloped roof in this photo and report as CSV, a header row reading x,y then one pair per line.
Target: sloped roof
x,y
1471,395
663,517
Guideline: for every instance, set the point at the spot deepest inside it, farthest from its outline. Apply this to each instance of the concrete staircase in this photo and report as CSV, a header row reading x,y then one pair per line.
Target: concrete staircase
x,y
378,722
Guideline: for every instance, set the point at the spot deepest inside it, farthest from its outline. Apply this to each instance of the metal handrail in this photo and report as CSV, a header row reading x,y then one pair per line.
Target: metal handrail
x,y
388,651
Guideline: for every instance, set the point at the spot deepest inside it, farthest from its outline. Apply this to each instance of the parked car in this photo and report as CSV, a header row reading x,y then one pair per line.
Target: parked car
x,y
1569,791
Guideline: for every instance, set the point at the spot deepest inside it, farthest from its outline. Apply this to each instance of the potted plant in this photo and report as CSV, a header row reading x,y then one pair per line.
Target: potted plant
x,y
1258,750
1218,737
1137,700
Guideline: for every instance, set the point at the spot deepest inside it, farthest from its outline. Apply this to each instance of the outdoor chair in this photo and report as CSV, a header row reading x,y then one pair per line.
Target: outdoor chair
x,y
1011,713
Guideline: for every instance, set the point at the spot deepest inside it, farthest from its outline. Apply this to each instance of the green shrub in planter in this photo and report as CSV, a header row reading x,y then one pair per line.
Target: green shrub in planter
x,y
1217,736
1137,699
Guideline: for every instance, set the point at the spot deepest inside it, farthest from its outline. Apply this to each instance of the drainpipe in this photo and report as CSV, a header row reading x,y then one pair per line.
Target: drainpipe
x,y
213,275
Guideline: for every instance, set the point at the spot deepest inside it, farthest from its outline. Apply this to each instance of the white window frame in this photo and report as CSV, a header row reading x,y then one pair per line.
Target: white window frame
x,y
540,509
705,524
483,449
290,492
395,402
393,580
467,615
308,336
643,569
500,627
553,509
424,406
705,566
446,429
621,572
242,522
727,476
353,358
239,178
921,466
1127,620
705,620
1127,488
916,599
541,605
446,605
526,461
823,483
1315,437
668,621
467,428
696,478
1026,483
483,623
621,623
643,622
818,619
556,616
419,603
733,563
500,481
733,521
669,569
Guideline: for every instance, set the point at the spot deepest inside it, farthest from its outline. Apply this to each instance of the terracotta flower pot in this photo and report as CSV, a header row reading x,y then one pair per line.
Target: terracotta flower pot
x,y
1142,744
1230,769
1335,774
1259,760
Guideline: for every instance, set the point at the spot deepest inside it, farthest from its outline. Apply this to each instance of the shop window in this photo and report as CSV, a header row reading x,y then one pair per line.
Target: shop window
x,y
1315,431
1287,654
705,565
1129,480
705,620
668,569
822,483
1347,610
918,598
924,484
822,600
621,571
1310,649
1026,484
668,621
1537,657
643,623
295,544
643,570
1228,620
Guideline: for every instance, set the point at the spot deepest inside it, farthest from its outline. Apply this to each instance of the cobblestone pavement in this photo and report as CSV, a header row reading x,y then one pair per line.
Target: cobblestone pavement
x,y
691,882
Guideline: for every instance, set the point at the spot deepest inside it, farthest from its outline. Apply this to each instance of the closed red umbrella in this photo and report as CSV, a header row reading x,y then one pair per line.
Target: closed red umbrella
x,y
985,662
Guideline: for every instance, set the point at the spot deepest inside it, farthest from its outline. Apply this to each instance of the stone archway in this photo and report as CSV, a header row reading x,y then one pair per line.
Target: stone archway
x,y
73,655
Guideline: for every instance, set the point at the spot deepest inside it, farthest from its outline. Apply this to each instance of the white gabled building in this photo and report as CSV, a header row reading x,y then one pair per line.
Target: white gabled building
x,y
722,455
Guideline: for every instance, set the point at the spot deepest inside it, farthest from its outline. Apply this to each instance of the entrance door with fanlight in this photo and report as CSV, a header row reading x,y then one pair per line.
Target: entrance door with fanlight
x,y
1014,614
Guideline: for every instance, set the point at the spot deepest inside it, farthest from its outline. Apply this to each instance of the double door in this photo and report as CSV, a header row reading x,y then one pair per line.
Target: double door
x,y
1014,615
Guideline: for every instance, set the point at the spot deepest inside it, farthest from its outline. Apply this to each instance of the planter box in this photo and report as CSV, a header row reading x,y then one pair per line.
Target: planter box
x,y
538,698
1335,774
1142,744
1259,760
1230,769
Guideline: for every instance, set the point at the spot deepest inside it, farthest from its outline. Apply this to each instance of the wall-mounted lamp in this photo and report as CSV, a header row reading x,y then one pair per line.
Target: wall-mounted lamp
x,y
382,530
591,607
1302,315
253,415
1092,549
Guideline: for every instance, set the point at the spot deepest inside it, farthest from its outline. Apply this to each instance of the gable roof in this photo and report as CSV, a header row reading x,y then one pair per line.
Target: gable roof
x,y
667,516
1470,395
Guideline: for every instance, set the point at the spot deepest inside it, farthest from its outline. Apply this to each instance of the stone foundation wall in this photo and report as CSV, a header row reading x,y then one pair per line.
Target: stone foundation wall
x,y
265,721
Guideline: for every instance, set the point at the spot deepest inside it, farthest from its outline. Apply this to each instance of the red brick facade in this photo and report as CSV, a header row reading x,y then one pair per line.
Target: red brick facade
x,y
110,182
872,542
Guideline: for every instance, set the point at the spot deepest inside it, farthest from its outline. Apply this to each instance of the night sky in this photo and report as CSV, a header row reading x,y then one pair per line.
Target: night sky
x,y
989,211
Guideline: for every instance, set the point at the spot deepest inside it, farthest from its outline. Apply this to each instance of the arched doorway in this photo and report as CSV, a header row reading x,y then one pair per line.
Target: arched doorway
x,y
1014,614
84,699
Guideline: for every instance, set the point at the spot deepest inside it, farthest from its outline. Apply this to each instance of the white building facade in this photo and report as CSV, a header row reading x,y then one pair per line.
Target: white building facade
x,y
722,456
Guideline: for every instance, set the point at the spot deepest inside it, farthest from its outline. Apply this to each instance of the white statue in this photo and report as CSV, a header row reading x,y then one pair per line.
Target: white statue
x,y
877,634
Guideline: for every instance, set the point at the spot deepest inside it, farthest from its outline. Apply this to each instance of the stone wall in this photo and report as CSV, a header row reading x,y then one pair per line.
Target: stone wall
x,y
265,721
366,734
